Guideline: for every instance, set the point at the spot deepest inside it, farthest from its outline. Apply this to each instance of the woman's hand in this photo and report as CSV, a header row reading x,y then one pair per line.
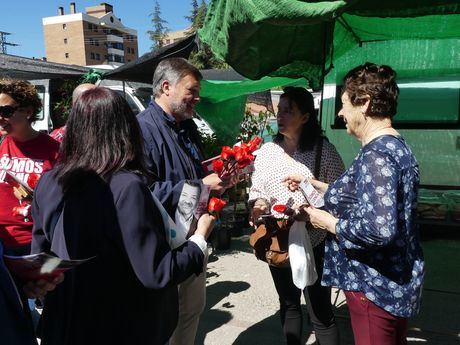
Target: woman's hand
x,y
319,186
321,219
205,225
39,288
292,181
260,207
301,214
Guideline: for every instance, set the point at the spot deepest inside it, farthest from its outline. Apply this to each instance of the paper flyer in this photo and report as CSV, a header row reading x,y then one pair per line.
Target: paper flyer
x,y
39,266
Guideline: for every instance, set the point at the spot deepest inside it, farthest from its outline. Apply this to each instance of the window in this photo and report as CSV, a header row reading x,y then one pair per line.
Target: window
x,y
64,26
96,43
93,57
65,40
98,56
91,41
116,45
95,28
115,58
66,55
90,26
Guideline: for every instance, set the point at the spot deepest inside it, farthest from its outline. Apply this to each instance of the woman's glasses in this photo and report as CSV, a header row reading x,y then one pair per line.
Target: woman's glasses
x,y
6,111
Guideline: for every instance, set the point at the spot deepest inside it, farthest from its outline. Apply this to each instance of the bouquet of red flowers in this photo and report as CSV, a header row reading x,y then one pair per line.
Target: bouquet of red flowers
x,y
235,158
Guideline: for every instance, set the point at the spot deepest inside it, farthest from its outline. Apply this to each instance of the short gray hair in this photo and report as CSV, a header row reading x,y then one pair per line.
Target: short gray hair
x,y
172,70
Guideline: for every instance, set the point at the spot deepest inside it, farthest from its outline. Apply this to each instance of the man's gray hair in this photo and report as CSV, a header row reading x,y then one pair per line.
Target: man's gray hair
x,y
172,70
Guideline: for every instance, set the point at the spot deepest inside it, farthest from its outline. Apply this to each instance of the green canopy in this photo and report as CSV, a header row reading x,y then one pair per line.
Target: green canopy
x,y
223,103
308,38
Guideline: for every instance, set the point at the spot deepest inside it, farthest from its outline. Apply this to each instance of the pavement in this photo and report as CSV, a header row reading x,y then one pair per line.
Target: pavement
x,y
242,305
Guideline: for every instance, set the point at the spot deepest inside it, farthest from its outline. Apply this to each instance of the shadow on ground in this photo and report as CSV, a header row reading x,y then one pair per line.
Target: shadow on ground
x,y
437,324
214,318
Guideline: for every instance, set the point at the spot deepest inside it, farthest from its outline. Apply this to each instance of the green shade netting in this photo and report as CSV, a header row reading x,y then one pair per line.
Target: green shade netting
x,y
222,104
305,38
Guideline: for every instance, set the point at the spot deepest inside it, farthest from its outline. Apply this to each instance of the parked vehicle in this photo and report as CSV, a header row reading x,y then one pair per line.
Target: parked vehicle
x,y
137,95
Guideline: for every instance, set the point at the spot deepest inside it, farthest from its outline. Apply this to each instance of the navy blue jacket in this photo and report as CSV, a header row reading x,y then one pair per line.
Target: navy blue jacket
x,y
172,153
15,326
127,294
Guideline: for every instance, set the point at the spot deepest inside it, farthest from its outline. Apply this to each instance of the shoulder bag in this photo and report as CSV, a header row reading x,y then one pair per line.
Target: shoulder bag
x,y
270,240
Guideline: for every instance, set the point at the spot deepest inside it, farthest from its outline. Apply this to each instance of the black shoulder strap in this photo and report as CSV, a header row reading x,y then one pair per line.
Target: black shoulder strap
x,y
319,150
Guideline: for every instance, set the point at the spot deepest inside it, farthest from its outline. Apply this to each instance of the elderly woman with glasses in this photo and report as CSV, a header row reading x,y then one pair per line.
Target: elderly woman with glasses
x,y
25,154
375,255
299,146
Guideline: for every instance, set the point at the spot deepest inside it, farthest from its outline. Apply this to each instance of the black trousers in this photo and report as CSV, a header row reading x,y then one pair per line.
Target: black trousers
x,y
318,300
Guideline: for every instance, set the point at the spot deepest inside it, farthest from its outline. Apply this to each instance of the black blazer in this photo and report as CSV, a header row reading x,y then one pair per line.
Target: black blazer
x,y
128,293
15,326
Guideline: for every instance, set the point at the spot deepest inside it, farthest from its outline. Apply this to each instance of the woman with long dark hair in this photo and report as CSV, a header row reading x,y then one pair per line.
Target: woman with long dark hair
x,y
298,146
96,204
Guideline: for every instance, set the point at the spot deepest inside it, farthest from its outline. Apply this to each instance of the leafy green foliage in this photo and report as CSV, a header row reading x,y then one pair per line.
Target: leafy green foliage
x,y
211,144
158,34
61,100
194,12
253,125
203,58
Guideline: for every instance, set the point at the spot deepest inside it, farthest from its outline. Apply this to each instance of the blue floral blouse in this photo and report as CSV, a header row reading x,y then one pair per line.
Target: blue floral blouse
x,y
377,249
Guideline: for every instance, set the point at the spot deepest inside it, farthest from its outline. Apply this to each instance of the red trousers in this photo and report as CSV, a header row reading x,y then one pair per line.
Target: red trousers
x,y
373,325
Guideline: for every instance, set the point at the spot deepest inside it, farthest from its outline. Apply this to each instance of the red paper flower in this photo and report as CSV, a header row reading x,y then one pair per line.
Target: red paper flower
x,y
254,144
218,166
32,180
227,153
279,208
236,157
216,205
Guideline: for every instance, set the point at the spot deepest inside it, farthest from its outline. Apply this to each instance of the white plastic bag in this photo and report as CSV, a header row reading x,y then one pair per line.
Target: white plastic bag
x,y
301,256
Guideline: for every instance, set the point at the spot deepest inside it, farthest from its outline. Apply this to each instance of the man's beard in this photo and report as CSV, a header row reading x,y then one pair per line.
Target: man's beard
x,y
179,109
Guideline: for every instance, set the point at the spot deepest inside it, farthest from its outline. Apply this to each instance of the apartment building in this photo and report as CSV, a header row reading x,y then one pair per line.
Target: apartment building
x,y
175,36
92,38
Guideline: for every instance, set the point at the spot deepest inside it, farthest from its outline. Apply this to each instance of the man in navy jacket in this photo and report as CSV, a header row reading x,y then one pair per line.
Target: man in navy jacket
x,y
173,156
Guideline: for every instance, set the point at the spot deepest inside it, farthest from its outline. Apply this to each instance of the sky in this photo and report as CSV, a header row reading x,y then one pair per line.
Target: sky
x,y
23,19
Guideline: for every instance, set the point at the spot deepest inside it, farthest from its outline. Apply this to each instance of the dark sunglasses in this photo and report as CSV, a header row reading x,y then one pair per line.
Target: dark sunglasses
x,y
7,111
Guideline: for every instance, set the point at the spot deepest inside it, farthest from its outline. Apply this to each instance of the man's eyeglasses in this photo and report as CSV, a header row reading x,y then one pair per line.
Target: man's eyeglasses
x,y
7,111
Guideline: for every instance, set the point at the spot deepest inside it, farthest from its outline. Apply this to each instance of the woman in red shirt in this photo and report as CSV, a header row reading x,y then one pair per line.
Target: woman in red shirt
x,y
23,152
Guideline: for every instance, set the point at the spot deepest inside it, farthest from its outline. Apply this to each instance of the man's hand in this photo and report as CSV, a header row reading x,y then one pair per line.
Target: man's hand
x,y
220,185
39,288
205,225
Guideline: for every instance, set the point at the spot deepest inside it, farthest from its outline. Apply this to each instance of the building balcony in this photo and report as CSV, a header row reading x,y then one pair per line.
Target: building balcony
x,y
114,51
114,38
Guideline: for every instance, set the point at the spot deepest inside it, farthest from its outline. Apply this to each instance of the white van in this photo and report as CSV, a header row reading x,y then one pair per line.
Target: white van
x,y
137,95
